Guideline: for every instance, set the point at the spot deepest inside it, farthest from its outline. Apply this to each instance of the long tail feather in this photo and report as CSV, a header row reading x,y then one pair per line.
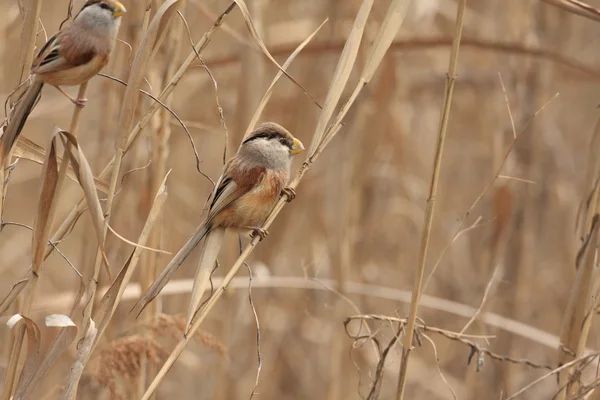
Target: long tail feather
x,y
160,282
14,128
17,121
210,252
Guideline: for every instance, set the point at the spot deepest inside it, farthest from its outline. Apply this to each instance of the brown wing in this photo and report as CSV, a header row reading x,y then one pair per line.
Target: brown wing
x,y
229,189
61,52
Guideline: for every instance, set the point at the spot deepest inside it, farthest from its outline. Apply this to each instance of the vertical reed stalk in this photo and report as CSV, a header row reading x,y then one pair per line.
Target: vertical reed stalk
x,y
430,208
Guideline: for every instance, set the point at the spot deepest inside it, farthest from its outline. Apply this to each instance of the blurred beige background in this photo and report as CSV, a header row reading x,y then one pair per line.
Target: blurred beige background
x,y
359,212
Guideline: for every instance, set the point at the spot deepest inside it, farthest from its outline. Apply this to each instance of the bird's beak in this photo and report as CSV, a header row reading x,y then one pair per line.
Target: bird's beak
x,y
297,147
119,10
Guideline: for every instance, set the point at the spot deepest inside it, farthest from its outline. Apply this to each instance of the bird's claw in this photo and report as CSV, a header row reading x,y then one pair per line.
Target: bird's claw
x,y
79,102
289,192
261,233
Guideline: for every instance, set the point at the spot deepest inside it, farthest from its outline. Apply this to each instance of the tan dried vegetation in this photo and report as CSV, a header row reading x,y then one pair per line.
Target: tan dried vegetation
x,y
443,243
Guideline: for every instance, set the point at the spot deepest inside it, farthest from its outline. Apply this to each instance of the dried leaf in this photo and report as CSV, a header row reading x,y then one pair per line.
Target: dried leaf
x,y
46,206
86,181
29,150
61,343
342,73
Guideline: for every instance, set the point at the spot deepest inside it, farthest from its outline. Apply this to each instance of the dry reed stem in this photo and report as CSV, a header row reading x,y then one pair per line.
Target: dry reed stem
x,y
53,179
78,210
145,53
384,39
444,116
79,364
456,309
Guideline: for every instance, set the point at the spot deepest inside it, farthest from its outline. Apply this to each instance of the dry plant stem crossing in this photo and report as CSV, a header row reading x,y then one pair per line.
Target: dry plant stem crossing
x,y
430,208
81,206
387,31
38,259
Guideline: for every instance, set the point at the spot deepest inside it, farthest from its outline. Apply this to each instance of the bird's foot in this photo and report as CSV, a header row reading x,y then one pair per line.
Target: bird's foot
x,y
261,233
289,192
78,102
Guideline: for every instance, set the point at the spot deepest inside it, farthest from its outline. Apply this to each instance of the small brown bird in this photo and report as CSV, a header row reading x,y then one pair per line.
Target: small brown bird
x,y
251,183
69,58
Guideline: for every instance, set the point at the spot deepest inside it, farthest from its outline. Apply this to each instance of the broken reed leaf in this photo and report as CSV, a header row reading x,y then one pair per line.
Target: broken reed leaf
x,y
60,344
114,294
269,91
32,360
46,205
86,181
341,74
58,320
261,45
29,150
83,353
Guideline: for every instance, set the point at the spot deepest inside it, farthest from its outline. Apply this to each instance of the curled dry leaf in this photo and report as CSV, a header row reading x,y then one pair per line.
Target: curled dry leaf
x,y
33,354
61,343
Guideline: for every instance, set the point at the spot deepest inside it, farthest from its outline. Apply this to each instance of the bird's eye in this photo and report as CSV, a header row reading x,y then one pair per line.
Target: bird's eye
x,y
104,6
283,141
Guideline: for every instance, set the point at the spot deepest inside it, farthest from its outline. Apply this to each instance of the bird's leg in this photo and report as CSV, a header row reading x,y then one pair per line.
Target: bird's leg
x,y
289,192
77,102
260,232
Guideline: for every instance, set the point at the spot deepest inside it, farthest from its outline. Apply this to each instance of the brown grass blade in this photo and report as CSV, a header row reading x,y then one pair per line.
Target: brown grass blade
x,y
61,343
210,252
29,150
84,175
33,355
342,73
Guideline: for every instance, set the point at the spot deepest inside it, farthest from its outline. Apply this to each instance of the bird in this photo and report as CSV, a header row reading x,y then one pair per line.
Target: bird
x,y
71,57
250,185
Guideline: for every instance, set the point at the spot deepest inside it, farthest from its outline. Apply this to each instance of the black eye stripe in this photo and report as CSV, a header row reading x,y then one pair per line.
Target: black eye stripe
x,y
270,136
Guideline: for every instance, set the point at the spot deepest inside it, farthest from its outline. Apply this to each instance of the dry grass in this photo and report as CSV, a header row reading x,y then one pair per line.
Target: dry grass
x,y
505,270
